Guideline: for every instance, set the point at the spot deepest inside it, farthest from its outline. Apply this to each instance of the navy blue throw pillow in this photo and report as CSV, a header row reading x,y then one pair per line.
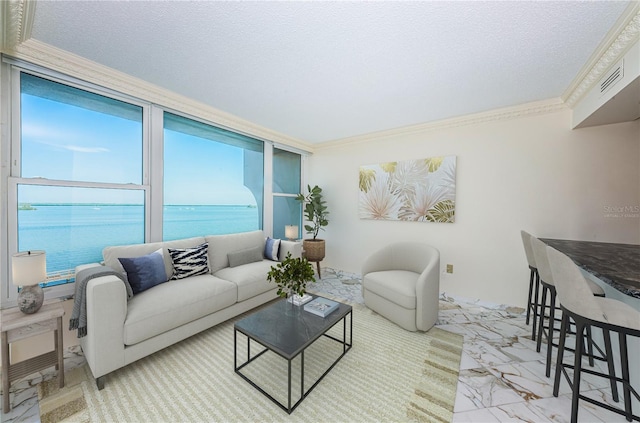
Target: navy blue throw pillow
x,y
145,272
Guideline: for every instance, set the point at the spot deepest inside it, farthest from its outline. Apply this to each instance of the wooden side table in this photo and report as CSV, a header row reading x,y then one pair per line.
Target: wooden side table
x,y
15,326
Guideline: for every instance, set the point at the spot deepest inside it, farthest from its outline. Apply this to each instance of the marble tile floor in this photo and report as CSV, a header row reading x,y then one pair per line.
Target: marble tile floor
x,y
501,374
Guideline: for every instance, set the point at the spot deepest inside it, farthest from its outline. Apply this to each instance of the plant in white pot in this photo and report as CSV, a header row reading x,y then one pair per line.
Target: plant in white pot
x,y
292,275
315,211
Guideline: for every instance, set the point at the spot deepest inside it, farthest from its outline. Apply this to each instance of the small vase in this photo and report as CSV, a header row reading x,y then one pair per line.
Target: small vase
x,y
290,308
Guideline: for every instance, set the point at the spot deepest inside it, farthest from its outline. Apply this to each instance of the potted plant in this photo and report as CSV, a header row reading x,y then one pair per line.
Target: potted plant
x,y
292,275
315,211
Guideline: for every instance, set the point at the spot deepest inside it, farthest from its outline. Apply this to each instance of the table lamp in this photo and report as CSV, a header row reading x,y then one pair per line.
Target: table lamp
x,y
29,268
291,232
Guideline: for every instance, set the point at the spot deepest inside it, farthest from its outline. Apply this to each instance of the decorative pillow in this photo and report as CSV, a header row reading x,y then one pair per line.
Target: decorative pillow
x,y
189,261
271,247
145,272
248,255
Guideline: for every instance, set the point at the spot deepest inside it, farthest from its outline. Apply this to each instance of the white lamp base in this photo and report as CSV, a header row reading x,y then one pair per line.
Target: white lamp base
x,y
30,299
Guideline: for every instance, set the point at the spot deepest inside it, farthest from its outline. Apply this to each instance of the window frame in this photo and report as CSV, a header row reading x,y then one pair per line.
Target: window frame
x,y
287,195
14,178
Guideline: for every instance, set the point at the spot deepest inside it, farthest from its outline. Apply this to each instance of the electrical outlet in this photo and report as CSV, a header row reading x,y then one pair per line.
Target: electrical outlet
x,y
449,268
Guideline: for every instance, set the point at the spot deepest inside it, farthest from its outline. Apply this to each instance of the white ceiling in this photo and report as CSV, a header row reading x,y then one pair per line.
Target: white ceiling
x,y
320,71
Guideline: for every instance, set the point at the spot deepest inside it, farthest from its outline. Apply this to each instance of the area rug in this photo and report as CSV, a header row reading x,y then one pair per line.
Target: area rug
x,y
389,375
67,404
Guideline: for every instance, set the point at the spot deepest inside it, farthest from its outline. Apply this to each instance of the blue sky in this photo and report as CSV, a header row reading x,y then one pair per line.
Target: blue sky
x,y
61,141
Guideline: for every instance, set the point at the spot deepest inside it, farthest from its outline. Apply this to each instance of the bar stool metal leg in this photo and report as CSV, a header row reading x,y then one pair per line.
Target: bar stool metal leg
x,y
577,367
559,368
590,346
543,306
609,352
624,362
552,323
529,303
536,305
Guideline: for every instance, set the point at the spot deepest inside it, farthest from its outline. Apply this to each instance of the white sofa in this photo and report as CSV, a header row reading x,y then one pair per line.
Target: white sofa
x,y
120,332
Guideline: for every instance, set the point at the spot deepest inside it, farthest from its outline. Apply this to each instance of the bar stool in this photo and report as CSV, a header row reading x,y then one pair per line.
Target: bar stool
x,y
534,283
577,303
548,286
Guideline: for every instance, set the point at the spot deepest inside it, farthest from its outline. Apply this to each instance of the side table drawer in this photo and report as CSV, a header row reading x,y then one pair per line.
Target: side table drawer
x,y
33,329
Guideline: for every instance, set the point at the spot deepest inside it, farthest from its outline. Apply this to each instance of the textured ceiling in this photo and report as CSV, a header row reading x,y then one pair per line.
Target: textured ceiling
x,y
320,71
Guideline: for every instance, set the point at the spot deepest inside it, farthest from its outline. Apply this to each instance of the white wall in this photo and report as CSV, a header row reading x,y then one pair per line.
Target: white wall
x,y
531,173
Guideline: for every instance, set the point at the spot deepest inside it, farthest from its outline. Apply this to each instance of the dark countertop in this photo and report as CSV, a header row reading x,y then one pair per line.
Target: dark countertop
x,y
615,264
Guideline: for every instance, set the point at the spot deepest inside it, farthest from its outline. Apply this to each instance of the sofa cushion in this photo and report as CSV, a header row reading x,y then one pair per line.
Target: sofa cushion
x,y
398,286
221,245
248,255
112,254
250,278
175,303
145,272
189,261
271,248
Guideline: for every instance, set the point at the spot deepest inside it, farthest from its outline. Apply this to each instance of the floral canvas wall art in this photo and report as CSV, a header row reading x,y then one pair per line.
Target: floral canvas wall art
x,y
422,190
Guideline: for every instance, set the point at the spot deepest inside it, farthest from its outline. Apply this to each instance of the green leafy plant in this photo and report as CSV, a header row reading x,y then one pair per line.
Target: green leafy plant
x,y
315,210
291,275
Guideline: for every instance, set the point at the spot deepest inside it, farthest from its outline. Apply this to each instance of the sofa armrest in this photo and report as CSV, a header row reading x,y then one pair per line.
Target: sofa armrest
x,y
103,346
293,247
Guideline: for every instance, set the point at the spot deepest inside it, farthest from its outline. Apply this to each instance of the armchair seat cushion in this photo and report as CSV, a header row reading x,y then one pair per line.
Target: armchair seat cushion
x,y
397,286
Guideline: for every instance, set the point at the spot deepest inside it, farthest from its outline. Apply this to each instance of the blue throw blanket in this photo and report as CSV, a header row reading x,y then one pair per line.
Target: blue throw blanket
x,y
79,314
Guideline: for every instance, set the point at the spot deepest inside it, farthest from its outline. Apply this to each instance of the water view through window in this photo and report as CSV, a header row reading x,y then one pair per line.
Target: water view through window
x,y
81,185
73,234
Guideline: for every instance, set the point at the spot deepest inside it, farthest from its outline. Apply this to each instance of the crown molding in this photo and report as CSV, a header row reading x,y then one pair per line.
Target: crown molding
x,y
16,17
507,113
58,60
624,34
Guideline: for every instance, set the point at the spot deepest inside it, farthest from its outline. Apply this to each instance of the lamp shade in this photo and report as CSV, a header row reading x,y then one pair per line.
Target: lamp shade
x,y
291,231
29,267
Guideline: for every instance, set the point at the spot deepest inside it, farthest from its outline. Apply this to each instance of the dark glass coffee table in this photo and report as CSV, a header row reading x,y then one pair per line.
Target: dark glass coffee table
x,y
288,331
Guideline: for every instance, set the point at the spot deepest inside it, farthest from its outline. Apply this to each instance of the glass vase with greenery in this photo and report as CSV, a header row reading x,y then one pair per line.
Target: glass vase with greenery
x,y
292,275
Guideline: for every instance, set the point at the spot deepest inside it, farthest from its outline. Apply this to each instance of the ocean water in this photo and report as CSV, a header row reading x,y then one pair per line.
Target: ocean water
x,y
73,234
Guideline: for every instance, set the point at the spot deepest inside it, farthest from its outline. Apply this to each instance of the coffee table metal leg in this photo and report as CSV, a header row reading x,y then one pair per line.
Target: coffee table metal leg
x,y
248,349
302,375
344,335
289,410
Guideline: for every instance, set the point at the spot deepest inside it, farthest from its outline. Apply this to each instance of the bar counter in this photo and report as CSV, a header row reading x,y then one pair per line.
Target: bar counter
x,y
617,265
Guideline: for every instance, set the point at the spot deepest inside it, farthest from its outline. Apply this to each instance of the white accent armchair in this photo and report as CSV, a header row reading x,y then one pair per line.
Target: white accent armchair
x,y
402,283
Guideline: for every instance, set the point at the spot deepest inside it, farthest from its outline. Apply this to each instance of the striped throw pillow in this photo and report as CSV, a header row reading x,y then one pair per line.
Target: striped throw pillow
x,y
189,261
271,247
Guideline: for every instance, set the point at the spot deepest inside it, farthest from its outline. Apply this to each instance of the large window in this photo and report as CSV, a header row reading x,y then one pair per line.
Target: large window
x,y
286,185
78,183
90,168
213,180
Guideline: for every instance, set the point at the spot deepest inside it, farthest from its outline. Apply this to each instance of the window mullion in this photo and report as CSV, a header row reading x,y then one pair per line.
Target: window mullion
x,y
155,169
